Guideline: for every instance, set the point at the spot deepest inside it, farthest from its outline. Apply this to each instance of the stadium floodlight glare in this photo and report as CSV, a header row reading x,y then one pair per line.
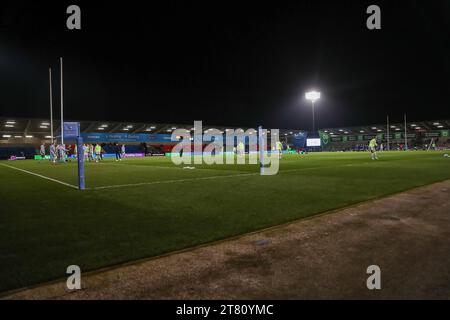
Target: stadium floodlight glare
x,y
413,125
28,136
43,127
6,136
440,126
100,128
362,131
9,126
312,96
17,137
436,123
104,126
10,122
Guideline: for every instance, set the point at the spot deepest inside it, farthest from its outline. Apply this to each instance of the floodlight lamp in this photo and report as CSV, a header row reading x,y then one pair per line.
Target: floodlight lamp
x,y
312,95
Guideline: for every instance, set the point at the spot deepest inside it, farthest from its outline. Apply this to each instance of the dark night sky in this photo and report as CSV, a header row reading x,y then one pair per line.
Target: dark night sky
x,y
228,62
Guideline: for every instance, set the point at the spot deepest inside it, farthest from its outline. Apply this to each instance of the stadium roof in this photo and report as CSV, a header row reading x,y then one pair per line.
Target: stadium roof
x,y
418,126
40,128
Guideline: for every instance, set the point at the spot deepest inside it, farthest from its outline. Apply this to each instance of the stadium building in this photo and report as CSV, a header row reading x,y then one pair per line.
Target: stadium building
x,y
22,136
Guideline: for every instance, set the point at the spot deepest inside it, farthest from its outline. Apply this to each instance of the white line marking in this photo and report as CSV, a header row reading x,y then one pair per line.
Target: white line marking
x,y
174,181
40,176
208,178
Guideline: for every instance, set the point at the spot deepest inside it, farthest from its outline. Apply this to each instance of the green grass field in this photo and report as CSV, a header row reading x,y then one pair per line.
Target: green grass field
x,y
140,208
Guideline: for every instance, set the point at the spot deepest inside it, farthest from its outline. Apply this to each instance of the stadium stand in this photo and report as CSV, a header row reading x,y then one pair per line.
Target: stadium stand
x,y
19,136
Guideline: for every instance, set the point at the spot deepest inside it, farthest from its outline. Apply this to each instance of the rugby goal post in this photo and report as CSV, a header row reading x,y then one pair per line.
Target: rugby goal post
x,y
72,131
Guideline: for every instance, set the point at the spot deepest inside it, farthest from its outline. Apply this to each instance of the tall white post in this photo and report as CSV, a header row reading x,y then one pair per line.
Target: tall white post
x,y
62,102
51,102
387,128
262,149
406,137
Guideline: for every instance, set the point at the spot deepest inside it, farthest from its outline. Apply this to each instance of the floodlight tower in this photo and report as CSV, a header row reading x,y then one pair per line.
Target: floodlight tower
x,y
312,96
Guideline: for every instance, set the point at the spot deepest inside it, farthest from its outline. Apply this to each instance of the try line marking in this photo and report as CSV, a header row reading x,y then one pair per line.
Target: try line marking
x,y
174,181
168,181
40,176
207,178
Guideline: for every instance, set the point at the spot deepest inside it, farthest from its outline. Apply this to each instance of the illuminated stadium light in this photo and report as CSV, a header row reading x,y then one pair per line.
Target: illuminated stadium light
x,y
440,126
43,127
125,129
148,129
9,126
104,126
413,125
100,128
418,128
290,132
331,133
312,95
28,136
169,130
341,130
174,128
379,130
18,137
45,124
374,128
397,129
436,123
285,134
129,126
152,127
326,131
10,122
362,131
6,136
346,132
48,137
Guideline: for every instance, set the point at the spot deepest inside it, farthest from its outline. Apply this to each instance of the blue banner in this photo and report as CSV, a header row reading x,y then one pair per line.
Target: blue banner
x,y
300,139
126,137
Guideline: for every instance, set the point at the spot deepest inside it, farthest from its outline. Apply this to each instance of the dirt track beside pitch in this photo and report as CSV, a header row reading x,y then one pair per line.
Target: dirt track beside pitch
x,y
325,257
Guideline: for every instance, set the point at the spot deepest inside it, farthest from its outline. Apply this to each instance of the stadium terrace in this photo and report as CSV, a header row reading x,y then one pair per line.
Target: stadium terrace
x,y
22,136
